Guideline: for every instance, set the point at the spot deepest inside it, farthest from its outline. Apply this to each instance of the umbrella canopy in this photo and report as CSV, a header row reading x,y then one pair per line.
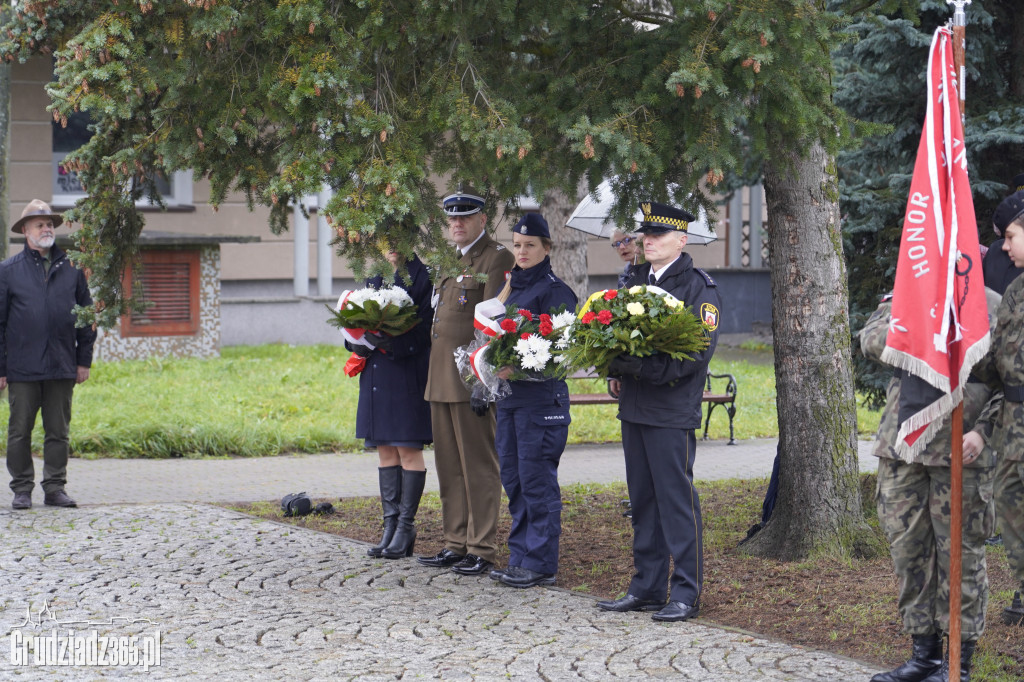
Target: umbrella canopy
x,y
592,217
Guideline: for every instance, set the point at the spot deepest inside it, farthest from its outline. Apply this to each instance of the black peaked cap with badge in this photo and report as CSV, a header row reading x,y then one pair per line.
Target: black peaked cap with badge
x,y
532,225
660,218
463,201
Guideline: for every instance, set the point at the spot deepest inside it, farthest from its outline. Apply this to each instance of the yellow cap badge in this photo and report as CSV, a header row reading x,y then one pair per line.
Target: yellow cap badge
x,y
709,314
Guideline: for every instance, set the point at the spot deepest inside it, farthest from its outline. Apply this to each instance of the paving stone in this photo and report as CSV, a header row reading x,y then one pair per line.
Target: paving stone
x,y
238,598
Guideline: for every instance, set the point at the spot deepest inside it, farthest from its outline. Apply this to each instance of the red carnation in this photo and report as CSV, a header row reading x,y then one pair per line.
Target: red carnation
x,y
526,313
524,335
545,318
508,325
605,317
546,328
588,317
610,294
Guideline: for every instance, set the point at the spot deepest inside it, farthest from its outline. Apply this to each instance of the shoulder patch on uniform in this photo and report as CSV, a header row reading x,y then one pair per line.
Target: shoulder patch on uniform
x,y
707,278
709,315
499,246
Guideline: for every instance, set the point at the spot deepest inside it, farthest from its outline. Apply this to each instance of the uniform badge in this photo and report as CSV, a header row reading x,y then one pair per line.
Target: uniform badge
x,y
462,299
709,313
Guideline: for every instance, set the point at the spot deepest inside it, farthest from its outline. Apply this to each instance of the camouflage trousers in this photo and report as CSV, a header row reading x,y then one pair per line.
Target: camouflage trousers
x,y
914,510
1009,492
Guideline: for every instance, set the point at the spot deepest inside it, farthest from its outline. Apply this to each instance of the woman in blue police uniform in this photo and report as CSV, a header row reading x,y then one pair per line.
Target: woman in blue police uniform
x,y
392,414
533,423
659,407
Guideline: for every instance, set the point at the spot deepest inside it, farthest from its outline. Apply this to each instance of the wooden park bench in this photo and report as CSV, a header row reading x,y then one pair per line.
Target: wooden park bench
x,y
713,400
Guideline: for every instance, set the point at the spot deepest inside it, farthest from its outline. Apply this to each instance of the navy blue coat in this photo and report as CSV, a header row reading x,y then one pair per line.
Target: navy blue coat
x,y
538,290
668,392
38,337
391,405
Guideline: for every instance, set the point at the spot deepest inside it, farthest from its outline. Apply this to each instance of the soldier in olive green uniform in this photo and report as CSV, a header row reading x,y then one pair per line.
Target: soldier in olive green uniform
x,y
913,509
1008,350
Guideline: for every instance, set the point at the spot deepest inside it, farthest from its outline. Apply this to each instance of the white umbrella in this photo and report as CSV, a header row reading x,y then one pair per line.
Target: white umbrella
x,y
592,217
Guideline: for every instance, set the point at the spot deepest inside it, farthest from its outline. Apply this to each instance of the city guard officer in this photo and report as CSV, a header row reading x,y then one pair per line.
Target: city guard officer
x,y
464,454
533,422
659,407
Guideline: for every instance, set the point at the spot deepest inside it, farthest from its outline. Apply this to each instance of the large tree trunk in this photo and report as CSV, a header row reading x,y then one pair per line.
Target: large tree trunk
x,y
569,253
819,506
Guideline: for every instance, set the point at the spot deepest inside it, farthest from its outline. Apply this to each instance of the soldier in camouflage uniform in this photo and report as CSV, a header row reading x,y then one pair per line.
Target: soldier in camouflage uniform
x,y
913,509
1008,351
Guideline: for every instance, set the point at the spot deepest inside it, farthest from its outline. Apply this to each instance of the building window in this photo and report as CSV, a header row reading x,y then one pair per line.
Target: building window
x,y
170,287
175,191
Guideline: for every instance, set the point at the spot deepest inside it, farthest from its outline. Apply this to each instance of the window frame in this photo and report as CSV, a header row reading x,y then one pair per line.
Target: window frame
x,y
190,327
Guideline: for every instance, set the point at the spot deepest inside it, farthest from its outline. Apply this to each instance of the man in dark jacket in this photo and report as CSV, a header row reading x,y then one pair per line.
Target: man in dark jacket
x,y
659,407
43,354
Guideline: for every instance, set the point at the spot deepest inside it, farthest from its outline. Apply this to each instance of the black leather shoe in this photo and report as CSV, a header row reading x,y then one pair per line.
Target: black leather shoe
x,y
442,559
630,603
1012,614
472,565
517,576
22,501
58,498
498,572
676,611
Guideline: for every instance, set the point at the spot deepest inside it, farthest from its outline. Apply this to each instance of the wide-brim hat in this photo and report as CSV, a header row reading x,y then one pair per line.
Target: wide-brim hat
x,y
36,208
660,218
1011,208
463,201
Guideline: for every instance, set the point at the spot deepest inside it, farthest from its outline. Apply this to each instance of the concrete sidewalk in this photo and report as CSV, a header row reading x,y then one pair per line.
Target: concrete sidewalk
x,y
106,481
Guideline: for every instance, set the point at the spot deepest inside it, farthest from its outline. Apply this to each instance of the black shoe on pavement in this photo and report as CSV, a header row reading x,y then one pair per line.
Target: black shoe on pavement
x,y
442,559
58,498
517,576
472,565
675,611
630,603
925,659
22,501
498,572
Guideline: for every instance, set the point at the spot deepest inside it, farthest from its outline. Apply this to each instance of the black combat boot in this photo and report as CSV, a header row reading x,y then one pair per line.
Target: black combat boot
x,y
405,535
390,494
925,660
966,654
1014,613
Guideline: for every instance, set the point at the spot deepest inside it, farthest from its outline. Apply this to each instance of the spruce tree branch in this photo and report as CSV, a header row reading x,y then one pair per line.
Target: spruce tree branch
x,y
648,18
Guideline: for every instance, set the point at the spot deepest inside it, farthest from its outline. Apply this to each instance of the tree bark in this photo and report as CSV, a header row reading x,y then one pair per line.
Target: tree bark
x,y
569,252
818,509
5,147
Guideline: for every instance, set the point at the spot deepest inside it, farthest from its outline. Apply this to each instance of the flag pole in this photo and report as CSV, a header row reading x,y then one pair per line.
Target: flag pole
x,y
956,456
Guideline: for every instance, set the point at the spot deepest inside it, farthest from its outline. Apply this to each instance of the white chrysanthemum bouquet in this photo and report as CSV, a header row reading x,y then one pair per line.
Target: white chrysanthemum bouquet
x,y
388,310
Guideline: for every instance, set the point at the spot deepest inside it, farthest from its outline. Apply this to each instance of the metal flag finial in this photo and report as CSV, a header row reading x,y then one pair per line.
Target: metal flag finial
x,y
959,18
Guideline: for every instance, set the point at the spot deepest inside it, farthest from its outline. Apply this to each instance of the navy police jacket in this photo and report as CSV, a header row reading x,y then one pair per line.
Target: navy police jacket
x,y
668,392
391,405
538,290
38,337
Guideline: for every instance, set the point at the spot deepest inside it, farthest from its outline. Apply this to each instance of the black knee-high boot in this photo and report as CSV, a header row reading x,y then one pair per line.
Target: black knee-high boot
x,y
405,535
390,495
966,656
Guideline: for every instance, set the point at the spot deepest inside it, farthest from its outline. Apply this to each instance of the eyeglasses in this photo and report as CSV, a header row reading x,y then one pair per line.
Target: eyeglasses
x,y
624,241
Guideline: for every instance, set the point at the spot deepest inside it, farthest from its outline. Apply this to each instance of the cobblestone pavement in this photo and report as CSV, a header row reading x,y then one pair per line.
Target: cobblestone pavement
x,y
105,481
238,598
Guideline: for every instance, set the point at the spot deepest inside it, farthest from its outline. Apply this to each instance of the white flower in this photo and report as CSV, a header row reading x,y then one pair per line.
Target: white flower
x,y
671,301
565,339
563,319
636,290
534,351
635,308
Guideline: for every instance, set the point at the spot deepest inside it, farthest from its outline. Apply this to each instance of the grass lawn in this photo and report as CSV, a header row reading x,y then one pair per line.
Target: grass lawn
x,y
273,399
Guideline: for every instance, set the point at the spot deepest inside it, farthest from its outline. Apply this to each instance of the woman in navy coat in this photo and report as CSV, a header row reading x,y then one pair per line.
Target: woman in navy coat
x,y
392,414
533,423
